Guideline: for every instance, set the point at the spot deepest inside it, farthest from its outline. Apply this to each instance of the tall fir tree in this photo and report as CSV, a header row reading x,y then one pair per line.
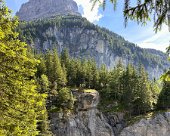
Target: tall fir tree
x,y
41,68
58,74
164,97
49,65
65,58
43,124
20,104
144,102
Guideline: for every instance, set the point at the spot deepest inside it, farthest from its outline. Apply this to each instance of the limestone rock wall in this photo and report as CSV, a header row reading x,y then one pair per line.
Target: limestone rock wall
x,y
85,43
37,9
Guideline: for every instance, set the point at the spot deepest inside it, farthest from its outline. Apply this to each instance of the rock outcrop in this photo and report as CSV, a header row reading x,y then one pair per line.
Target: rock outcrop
x,y
38,9
87,120
158,126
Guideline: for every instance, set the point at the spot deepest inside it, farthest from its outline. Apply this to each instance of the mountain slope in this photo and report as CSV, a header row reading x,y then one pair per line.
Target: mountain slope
x,y
86,40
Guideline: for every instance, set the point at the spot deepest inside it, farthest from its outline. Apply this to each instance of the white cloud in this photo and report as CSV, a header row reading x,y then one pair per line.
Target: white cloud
x,y
159,41
91,15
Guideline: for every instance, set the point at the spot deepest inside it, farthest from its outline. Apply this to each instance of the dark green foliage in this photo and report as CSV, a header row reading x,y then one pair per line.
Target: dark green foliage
x,y
51,79
58,73
164,96
130,89
43,84
115,83
65,99
65,60
42,69
126,86
104,77
21,105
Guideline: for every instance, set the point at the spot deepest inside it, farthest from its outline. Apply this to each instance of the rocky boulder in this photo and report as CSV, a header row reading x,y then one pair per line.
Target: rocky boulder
x,y
157,126
37,9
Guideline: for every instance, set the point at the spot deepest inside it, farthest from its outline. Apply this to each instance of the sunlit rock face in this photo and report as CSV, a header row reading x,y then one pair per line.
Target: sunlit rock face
x,y
157,126
86,120
38,9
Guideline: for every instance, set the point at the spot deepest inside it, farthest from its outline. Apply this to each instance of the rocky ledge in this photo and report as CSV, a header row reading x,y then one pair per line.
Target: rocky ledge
x,y
157,126
37,9
87,120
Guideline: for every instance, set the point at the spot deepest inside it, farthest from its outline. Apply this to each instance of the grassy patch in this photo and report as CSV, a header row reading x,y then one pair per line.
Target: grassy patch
x,y
89,91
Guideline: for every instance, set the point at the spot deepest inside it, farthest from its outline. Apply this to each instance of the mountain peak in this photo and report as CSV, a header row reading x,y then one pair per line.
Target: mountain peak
x,y
37,9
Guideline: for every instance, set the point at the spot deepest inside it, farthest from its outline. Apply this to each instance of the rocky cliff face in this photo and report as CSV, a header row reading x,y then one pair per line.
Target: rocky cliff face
x,y
37,9
158,126
87,120
86,40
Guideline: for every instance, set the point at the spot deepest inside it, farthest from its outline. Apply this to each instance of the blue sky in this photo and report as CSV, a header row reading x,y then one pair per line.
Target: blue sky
x,y
143,36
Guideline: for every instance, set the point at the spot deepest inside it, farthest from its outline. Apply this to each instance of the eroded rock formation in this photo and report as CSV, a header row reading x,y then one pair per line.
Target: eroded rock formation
x,y
37,9
87,120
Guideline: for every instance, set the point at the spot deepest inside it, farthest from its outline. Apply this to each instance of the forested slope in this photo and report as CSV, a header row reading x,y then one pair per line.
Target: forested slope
x,y
86,40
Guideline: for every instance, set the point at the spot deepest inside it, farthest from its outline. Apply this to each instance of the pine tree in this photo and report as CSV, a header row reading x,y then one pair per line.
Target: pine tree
x,y
43,122
49,65
20,104
115,84
57,71
129,83
41,68
143,11
72,72
89,77
164,96
95,75
65,58
65,100
43,84
144,100
155,91
103,77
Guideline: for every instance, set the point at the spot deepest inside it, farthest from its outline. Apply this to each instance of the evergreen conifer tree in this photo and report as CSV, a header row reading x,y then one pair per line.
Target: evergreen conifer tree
x,y
20,104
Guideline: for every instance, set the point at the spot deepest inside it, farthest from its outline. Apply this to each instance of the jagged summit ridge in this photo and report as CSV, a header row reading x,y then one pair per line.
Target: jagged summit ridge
x,y
37,9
